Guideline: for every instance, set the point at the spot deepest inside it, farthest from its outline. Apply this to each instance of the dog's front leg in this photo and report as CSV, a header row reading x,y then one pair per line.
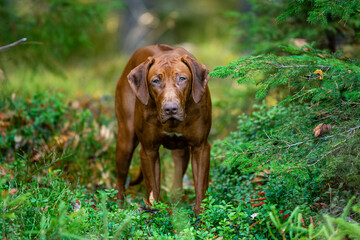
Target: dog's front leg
x,y
150,166
181,160
200,163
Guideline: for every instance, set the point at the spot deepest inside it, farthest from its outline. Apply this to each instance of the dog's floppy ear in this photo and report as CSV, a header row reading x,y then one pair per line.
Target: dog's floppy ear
x,y
200,76
138,80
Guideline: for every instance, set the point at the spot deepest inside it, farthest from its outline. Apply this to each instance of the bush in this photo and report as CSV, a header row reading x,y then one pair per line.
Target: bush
x,y
297,150
44,127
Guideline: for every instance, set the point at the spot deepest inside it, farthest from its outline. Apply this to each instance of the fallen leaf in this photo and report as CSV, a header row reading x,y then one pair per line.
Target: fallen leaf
x,y
42,210
13,191
319,73
312,222
257,204
75,105
4,124
321,129
286,216
259,193
106,132
252,225
299,42
77,205
258,199
37,156
4,171
259,180
3,116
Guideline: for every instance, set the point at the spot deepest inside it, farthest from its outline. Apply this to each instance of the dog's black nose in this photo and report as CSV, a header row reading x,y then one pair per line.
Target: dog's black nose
x,y
171,108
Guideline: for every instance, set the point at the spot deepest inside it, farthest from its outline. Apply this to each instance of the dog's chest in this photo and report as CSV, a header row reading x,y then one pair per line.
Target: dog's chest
x,y
173,140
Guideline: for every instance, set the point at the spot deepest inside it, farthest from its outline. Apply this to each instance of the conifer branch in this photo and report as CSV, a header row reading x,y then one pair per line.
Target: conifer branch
x,y
322,138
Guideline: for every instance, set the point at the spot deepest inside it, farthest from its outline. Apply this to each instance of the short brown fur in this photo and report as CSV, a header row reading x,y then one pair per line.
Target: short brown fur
x,y
162,98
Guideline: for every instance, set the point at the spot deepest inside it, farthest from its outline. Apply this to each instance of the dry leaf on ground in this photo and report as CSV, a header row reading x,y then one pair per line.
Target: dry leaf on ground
x,y
321,129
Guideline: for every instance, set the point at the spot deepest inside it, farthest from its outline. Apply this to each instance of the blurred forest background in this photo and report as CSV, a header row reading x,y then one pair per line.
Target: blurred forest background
x,y
79,48
285,86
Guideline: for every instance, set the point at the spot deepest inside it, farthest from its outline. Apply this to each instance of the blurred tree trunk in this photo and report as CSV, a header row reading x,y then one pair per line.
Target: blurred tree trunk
x,y
244,6
135,26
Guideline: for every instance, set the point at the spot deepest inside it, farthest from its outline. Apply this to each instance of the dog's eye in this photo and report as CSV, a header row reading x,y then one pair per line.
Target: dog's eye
x,y
182,79
156,81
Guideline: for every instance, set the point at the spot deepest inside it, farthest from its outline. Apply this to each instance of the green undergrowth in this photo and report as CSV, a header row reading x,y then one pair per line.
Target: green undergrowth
x,y
57,179
54,186
304,150
302,178
44,127
279,175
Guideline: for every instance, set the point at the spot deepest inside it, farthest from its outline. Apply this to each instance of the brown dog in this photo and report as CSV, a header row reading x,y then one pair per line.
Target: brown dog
x,y
162,98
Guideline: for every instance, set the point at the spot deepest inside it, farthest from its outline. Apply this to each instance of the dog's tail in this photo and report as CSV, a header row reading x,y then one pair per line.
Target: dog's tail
x,y
137,180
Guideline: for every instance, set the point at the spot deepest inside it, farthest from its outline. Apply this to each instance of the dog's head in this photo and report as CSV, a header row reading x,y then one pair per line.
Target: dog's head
x,y
170,82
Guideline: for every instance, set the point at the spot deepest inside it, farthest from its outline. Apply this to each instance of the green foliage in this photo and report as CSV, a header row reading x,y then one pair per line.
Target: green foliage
x,y
45,209
283,136
312,173
280,138
42,166
299,174
345,12
222,218
55,29
49,207
305,181
306,173
298,73
333,228
44,127
273,23
341,227
293,227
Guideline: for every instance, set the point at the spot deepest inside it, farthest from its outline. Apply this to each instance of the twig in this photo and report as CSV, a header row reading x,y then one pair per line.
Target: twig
x,y
350,103
348,219
302,66
322,138
322,156
13,44
354,128
284,66
288,146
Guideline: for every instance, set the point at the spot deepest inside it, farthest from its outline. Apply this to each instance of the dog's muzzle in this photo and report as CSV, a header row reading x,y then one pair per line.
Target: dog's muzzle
x,y
171,111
